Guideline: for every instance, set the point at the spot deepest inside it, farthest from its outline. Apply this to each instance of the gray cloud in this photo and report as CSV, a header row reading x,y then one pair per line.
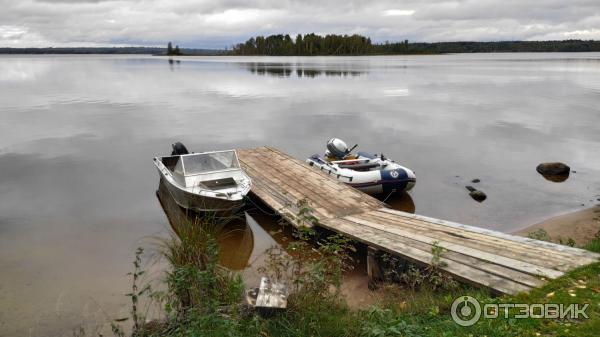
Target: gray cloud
x,y
215,24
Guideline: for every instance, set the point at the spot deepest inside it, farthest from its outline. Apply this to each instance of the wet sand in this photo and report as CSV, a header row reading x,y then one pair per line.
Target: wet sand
x,y
580,226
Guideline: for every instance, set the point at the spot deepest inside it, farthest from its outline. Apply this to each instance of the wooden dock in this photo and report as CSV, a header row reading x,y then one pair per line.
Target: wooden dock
x,y
502,262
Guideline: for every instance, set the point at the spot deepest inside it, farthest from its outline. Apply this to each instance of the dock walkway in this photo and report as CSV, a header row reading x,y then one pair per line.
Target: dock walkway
x,y
502,262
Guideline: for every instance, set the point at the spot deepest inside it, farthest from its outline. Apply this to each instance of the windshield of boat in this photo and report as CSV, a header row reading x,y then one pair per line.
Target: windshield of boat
x,y
209,162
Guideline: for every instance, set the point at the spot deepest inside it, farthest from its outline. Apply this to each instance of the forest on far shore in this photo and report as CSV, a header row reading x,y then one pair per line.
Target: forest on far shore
x,y
331,44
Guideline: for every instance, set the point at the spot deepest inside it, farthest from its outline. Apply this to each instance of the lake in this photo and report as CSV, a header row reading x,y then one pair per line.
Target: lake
x,y
78,190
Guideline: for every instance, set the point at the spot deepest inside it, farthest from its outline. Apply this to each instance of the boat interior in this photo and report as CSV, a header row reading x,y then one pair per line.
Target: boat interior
x,y
213,171
359,164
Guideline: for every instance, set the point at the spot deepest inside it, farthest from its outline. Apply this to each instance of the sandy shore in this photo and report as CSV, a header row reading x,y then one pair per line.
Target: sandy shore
x,y
581,226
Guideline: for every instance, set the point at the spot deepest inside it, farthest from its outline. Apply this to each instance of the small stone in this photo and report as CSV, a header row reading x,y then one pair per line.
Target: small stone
x,y
471,188
475,181
478,195
574,171
553,168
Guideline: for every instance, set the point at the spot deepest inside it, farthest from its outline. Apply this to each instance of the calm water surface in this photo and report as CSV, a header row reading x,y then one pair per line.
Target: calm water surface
x,y
77,134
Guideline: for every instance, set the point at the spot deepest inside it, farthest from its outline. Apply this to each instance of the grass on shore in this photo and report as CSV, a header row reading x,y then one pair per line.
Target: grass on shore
x,y
205,299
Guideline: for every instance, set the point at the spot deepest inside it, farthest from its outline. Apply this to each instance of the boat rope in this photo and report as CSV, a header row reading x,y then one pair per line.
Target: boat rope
x,y
258,207
386,198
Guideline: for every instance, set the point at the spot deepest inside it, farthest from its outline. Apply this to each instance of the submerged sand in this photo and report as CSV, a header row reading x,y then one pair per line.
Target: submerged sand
x,y
581,226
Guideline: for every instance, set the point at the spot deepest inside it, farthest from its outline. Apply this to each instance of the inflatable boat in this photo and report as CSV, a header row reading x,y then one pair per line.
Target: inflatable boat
x,y
370,173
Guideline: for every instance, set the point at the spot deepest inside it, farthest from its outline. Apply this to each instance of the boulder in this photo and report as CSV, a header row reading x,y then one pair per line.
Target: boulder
x,y
558,178
478,195
553,169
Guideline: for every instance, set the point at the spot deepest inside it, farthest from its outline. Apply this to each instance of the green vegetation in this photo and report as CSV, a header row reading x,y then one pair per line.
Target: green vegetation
x,y
541,234
594,244
173,51
331,44
204,299
397,271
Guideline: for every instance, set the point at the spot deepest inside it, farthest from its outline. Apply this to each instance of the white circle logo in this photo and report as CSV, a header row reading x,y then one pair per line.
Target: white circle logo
x,y
468,313
394,174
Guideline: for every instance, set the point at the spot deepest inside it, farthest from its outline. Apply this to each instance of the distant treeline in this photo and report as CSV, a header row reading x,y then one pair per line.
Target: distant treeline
x,y
108,50
507,46
309,44
312,44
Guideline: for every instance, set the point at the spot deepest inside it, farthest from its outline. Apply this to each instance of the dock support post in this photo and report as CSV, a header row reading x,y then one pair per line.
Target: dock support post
x,y
373,269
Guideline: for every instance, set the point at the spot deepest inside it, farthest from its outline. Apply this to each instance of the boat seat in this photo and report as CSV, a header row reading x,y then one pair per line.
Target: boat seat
x,y
219,184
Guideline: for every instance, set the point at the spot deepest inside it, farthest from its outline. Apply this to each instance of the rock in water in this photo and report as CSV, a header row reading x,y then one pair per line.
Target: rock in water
x,y
478,195
475,181
471,188
553,169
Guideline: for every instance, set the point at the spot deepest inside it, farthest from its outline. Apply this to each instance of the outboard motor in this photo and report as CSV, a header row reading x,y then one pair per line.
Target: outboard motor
x,y
338,148
179,149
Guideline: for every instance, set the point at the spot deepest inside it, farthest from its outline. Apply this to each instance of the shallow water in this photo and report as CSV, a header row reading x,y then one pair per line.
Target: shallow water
x,y
77,134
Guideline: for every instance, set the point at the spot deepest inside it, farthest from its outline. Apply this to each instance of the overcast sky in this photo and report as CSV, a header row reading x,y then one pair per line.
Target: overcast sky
x,y
216,24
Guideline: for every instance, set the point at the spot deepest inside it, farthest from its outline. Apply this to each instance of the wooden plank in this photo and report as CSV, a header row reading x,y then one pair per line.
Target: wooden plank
x,y
374,272
334,190
270,192
458,233
331,200
355,194
290,184
282,210
295,164
278,177
499,270
508,250
479,254
290,198
274,198
456,269
574,251
469,236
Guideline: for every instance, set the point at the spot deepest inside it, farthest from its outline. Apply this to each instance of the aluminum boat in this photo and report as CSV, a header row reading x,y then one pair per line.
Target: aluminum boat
x,y
204,182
